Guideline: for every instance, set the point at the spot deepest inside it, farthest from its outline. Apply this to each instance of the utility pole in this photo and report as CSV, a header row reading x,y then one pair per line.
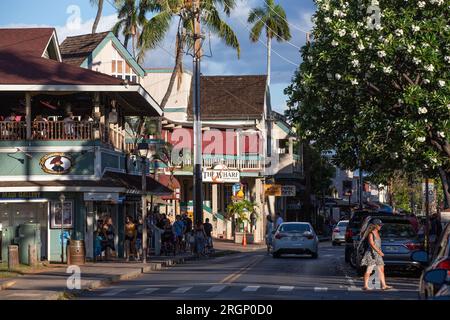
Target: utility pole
x,y
198,201
427,212
144,208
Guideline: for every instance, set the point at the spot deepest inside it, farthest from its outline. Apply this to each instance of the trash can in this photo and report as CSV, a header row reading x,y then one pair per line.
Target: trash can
x,y
29,234
76,252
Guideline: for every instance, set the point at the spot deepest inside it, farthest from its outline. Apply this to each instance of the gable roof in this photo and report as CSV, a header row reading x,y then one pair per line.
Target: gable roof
x,y
31,41
74,50
81,50
231,97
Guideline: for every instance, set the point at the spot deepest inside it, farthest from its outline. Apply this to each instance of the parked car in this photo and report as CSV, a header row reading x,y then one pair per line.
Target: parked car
x,y
353,230
398,241
432,283
295,238
339,230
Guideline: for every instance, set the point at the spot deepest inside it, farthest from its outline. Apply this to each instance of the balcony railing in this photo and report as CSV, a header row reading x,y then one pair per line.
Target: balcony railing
x,y
241,162
47,130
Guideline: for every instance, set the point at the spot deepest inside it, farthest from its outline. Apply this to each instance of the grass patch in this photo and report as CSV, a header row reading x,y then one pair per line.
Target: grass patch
x,y
20,269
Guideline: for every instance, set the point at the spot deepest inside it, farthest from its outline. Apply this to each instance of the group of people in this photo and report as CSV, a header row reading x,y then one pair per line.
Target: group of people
x,y
104,239
183,236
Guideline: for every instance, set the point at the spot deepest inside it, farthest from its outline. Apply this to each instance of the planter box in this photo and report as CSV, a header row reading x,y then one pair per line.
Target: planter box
x,y
239,235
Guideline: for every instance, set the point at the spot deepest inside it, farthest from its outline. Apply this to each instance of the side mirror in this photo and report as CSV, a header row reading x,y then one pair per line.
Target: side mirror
x,y
420,256
436,276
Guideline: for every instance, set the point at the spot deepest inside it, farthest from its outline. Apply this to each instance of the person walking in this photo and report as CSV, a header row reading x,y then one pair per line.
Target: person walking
x,y
200,239
373,256
109,234
130,238
139,231
278,220
208,231
268,233
178,230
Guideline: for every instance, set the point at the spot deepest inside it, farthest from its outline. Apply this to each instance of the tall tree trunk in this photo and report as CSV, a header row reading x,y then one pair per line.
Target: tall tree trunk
x,y
307,212
269,55
125,43
99,15
176,68
445,186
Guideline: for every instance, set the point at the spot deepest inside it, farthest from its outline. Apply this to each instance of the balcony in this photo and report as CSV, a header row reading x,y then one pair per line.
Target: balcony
x,y
63,130
238,162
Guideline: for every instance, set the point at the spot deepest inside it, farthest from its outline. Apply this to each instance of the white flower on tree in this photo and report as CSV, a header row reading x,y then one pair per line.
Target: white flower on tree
x,y
354,82
342,32
416,61
447,59
426,81
441,83
387,70
423,110
361,47
354,34
381,54
421,4
441,134
327,20
415,28
334,43
421,139
429,67
338,76
398,32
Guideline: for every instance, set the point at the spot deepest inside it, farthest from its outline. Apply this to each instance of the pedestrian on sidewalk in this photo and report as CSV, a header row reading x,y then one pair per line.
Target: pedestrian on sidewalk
x,y
200,239
99,242
268,233
109,234
373,256
278,220
130,238
168,239
178,230
208,231
139,231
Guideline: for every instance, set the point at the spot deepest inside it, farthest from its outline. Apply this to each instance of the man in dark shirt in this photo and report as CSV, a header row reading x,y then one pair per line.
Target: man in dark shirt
x,y
208,230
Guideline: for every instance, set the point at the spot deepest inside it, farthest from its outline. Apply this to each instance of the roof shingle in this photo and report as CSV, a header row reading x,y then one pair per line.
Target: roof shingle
x,y
231,97
74,50
32,41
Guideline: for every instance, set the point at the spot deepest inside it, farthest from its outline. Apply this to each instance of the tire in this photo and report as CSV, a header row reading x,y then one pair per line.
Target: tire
x,y
353,259
315,255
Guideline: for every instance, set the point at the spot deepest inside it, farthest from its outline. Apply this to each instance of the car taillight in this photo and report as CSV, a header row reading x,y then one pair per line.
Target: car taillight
x,y
310,237
336,230
348,235
413,246
445,264
280,235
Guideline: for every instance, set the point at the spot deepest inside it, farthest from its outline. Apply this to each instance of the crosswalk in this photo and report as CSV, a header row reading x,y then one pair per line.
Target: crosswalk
x,y
219,288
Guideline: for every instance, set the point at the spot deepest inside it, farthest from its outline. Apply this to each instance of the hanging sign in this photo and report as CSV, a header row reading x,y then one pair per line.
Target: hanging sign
x,y
221,174
56,163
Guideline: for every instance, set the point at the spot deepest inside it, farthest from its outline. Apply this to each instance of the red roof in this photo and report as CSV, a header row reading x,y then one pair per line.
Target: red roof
x,y
32,41
17,68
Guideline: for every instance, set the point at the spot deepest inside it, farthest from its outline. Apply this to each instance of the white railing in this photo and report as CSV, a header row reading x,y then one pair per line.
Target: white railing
x,y
233,162
47,130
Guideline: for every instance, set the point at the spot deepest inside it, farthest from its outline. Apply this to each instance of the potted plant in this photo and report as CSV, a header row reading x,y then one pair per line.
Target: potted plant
x,y
241,210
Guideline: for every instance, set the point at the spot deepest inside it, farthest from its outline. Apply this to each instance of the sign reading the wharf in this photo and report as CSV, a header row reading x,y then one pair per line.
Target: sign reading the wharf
x,y
56,163
221,174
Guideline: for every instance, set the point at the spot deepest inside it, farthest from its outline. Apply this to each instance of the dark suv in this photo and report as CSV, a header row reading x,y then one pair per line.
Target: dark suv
x,y
353,230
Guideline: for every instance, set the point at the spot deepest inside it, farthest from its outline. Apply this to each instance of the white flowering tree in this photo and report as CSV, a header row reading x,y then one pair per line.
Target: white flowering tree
x,y
375,83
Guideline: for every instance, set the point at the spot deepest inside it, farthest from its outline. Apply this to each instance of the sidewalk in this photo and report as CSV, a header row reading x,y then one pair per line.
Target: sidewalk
x,y
221,244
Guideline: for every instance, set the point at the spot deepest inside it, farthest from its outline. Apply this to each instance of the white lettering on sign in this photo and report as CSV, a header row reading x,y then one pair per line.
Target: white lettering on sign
x,y
288,191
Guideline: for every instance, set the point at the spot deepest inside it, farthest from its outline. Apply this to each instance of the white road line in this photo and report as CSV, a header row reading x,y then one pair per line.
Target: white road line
x,y
147,291
113,292
250,289
181,290
216,288
320,289
285,288
354,289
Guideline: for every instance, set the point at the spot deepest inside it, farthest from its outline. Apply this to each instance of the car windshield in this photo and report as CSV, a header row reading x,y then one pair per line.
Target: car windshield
x,y
397,230
294,227
342,224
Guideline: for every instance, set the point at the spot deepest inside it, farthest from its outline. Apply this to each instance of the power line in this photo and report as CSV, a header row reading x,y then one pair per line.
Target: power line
x,y
292,25
287,41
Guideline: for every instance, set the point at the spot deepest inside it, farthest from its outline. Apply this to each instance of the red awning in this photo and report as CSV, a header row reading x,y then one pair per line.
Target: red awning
x,y
170,182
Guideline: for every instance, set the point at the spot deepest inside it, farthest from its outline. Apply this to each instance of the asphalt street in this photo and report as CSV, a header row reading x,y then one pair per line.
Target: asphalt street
x,y
256,275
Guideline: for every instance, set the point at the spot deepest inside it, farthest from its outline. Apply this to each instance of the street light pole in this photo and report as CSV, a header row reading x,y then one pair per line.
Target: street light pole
x,y
62,197
144,211
427,212
198,201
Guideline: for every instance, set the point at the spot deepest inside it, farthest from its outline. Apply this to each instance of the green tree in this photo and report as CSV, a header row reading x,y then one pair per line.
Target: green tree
x,y
127,13
241,210
377,90
165,12
272,18
99,5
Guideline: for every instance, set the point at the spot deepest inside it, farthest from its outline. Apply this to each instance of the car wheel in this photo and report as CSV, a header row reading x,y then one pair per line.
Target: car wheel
x,y
315,255
353,259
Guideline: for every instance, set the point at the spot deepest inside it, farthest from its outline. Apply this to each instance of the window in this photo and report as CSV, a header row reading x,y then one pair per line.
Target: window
x,y
227,193
121,69
294,227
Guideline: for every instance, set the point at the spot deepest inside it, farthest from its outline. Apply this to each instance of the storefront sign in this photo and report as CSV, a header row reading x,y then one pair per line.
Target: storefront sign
x,y
20,195
221,176
56,163
272,190
101,196
288,191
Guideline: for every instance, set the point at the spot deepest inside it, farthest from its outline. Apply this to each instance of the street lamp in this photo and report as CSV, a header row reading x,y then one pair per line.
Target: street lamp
x,y
142,149
62,197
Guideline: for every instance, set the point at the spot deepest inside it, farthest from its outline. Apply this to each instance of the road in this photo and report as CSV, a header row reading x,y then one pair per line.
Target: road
x,y
256,275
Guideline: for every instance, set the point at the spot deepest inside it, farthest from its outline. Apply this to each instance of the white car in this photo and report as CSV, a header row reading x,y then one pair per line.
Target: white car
x,y
338,235
295,238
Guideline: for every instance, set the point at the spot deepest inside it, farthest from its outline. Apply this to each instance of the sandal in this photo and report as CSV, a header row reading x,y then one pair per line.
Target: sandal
x,y
387,288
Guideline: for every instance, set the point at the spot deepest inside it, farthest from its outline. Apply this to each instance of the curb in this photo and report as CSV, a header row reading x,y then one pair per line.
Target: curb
x,y
7,284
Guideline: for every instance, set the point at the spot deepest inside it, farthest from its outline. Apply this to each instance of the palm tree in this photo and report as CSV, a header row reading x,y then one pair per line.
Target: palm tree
x,y
99,4
155,29
272,18
127,13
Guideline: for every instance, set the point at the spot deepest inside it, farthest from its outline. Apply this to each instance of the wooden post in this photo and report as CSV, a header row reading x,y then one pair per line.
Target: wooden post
x,y
13,257
28,114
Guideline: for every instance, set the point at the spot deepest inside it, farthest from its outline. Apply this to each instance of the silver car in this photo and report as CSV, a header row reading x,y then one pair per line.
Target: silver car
x,y
295,238
338,235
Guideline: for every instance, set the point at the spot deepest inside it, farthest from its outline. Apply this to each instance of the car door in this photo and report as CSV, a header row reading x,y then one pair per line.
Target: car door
x,y
441,253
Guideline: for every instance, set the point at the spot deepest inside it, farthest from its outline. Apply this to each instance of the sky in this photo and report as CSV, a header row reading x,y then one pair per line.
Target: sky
x,y
74,17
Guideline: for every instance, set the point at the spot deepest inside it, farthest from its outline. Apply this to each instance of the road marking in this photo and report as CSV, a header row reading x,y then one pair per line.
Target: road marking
x,y
236,275
112,292
216,288
250,289
354,289
147,291
285,288
320,289
181,290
